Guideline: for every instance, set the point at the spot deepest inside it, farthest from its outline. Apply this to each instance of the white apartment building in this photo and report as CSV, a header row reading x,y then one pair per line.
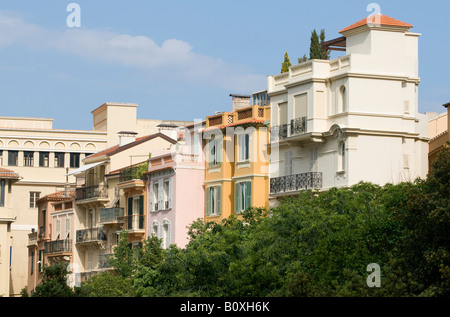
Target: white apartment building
x,y
355,118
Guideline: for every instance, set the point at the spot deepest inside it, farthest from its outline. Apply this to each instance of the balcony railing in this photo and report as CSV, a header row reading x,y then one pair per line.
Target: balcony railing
x,y
297,126
90,234
310,180
88,192
57,246
278,133
133,222
111,215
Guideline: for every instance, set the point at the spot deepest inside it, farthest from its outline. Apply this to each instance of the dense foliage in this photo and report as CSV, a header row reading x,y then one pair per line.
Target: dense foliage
x,y
315,244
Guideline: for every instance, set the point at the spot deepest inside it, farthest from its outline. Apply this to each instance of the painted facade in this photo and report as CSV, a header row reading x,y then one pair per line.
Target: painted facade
x,y
175,186
53,241
354,118
108,198
8,179
237,161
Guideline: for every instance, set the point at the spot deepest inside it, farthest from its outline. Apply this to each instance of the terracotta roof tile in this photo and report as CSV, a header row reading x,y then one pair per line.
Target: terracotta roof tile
x,y
384,20
8,174
116,149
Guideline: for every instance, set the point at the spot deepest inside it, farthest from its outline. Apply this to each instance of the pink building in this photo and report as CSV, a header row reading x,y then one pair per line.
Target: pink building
x,y
175,188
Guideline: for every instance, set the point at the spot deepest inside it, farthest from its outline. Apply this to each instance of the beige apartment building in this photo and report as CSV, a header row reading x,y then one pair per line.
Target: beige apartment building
x,y
44,157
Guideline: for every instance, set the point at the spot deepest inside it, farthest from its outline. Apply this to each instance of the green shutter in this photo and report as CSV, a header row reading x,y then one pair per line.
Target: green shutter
x,y
130,213
248,194
236,198
208,201
141,212
130,206
141,205
218,200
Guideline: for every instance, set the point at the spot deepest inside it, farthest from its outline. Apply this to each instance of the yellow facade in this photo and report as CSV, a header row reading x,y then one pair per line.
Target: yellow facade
x,y
237,162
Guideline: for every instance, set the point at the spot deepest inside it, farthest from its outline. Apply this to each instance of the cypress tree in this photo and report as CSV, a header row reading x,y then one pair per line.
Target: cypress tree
x,y
286,63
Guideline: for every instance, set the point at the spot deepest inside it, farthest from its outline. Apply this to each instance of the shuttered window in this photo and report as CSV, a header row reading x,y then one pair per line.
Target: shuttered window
x,y
242,196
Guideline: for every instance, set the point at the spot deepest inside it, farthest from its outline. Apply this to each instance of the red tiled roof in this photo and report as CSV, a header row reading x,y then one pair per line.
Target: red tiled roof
x,y
57,196
116,149
383,20
8,174
249,121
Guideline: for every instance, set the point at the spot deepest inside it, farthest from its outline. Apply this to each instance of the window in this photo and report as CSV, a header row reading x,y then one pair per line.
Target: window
x,y
59,159
44,159
341,157
165,234
214,152
32,263
74,160
155,229
242,196
156,195
136,212
67,228
57,229
342,102
288,163
167,193
34,196
244,147
28,158
2,193
13,158
213,201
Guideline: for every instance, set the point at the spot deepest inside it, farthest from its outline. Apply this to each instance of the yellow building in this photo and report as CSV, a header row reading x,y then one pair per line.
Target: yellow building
x,y
237,162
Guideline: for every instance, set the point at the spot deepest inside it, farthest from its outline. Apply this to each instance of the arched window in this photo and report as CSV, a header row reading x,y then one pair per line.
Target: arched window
x,y
155,229
166,234
342,101
341,156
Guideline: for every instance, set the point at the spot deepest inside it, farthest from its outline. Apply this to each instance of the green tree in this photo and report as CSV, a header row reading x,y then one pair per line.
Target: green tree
x,y
316,50
54,282
107,284
286,63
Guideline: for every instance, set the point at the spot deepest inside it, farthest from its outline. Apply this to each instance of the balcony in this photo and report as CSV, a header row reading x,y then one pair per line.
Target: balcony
x,y
58,246
134,172
291,183
111,215
133,222
91,239
91,192
297,126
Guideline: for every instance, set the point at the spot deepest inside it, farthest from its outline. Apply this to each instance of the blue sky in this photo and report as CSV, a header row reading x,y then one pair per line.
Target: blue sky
x,y
181,59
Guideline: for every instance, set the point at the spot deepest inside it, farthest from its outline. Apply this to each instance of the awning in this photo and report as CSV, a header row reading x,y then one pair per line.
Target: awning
x,y
85,168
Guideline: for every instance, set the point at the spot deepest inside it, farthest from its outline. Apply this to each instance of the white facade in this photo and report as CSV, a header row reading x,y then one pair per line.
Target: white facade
x,y
355,118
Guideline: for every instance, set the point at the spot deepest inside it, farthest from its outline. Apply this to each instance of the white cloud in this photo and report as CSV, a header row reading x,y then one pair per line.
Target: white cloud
x,y
173,59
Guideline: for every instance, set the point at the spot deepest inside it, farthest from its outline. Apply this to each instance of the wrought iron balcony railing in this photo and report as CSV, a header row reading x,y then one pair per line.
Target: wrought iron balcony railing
x,y
278,133
111,215
57,246
296,126
90,234
310,180
87,192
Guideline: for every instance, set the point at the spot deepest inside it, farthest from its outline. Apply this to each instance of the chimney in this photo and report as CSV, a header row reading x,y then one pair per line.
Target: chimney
x,y
126,137
240,101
